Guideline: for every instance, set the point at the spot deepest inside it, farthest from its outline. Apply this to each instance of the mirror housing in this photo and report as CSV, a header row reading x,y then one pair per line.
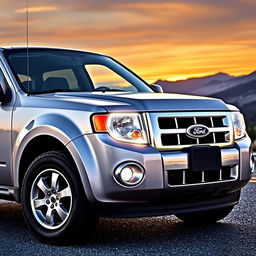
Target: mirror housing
x,y
5,93
157,88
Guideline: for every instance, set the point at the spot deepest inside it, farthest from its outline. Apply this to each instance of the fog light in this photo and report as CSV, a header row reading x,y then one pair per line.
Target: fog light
x,y
129,174
126,174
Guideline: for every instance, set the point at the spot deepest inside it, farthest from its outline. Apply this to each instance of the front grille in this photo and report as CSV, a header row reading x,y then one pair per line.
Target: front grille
x,y
188,177
170,129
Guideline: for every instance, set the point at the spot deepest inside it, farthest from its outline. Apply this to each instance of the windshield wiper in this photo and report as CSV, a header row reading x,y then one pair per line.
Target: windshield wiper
x,y
56,90
108,90
69,90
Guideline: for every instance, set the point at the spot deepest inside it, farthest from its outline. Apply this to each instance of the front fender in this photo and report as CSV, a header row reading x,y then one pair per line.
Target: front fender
x,y
55,125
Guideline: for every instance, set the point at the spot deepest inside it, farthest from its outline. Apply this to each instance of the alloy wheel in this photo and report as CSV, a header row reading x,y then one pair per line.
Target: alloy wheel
x,y
51,199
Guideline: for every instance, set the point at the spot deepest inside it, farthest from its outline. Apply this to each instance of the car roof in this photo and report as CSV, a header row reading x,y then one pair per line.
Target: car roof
x,y
47,48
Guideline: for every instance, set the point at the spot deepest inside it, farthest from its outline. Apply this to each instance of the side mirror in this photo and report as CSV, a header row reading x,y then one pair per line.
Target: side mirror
x,y
5,93
1,94
157,88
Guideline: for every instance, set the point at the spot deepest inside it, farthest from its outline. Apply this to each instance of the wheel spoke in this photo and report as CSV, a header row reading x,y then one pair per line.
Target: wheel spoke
x,y
39,202
54,181
49,217
51,198
62,213
66,192
41,184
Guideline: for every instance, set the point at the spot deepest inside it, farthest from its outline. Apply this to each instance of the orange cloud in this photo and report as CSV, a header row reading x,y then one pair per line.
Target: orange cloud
x,y
37,9
158,39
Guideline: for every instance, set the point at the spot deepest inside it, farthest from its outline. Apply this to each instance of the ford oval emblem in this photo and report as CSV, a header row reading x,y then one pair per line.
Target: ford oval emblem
x,y
197,131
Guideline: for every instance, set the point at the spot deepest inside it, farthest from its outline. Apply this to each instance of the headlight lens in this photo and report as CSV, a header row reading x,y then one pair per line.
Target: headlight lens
x,y
239,125
127,128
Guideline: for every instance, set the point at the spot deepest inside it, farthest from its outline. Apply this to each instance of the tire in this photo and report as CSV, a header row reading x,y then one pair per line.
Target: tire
x,y
206,217
53,200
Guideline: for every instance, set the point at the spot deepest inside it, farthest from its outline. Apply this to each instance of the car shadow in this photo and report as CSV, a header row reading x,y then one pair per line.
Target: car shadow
x,y
155,235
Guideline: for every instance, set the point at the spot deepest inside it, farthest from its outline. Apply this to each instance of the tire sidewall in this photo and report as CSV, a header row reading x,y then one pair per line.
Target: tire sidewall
x,y
61,164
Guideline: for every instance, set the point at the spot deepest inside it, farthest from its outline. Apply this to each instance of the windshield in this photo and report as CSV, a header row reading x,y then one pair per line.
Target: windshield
x,y
53,70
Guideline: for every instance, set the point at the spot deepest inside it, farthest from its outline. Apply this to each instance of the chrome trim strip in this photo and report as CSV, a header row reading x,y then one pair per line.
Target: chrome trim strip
x,y
230,157
175,160
148,133
3,165
137,178
183,130
179,160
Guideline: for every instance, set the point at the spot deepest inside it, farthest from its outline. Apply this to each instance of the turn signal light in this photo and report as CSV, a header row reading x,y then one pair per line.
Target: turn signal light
x,y
135,134
100,123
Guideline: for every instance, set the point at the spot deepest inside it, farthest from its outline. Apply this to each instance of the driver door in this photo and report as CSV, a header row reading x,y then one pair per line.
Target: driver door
x,y
5,138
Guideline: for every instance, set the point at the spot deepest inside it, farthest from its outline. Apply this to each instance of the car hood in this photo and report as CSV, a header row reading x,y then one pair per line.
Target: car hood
x,y
126,102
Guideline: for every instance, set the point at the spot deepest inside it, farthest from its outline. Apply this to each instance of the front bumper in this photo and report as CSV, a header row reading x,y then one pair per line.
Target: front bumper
x,y
99,155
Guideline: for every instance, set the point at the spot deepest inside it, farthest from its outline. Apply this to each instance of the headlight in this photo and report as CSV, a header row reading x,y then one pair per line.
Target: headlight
x,y
126,127
239,125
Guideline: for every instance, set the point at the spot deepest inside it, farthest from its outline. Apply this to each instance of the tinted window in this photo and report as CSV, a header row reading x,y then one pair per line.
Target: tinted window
x,y
53,70
67,74
103,77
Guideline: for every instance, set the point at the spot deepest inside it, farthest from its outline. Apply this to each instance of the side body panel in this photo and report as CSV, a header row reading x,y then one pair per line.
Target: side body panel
x,y
5,133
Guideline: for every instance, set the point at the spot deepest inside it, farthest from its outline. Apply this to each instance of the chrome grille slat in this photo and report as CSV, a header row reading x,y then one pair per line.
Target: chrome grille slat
x,y
197,140
214,138
203,180
220,174
178,137
183,130
219,124
183,177
176,123
188,177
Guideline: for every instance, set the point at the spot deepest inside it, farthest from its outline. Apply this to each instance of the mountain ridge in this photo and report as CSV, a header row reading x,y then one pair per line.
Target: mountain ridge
x,y
237,90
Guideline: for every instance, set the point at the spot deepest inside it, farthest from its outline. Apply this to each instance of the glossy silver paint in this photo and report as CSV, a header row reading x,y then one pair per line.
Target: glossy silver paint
x,y
67,117
112,153
6,131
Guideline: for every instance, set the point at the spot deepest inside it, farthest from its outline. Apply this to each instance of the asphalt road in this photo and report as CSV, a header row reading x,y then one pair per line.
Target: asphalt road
x,y
235,235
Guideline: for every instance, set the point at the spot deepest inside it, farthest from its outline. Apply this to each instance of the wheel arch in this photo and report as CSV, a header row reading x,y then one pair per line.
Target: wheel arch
x,y
42,143
34,148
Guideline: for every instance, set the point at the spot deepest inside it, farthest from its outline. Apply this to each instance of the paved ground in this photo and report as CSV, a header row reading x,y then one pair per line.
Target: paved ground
x,y
235,235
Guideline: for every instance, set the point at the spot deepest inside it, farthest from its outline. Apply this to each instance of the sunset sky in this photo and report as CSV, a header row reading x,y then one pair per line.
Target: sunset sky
x,y
158,39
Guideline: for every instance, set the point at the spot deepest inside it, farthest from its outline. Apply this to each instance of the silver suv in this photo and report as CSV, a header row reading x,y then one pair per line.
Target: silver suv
x,y
83,137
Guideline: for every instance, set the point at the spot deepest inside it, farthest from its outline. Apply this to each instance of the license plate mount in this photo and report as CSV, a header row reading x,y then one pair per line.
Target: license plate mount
x,y
204,158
